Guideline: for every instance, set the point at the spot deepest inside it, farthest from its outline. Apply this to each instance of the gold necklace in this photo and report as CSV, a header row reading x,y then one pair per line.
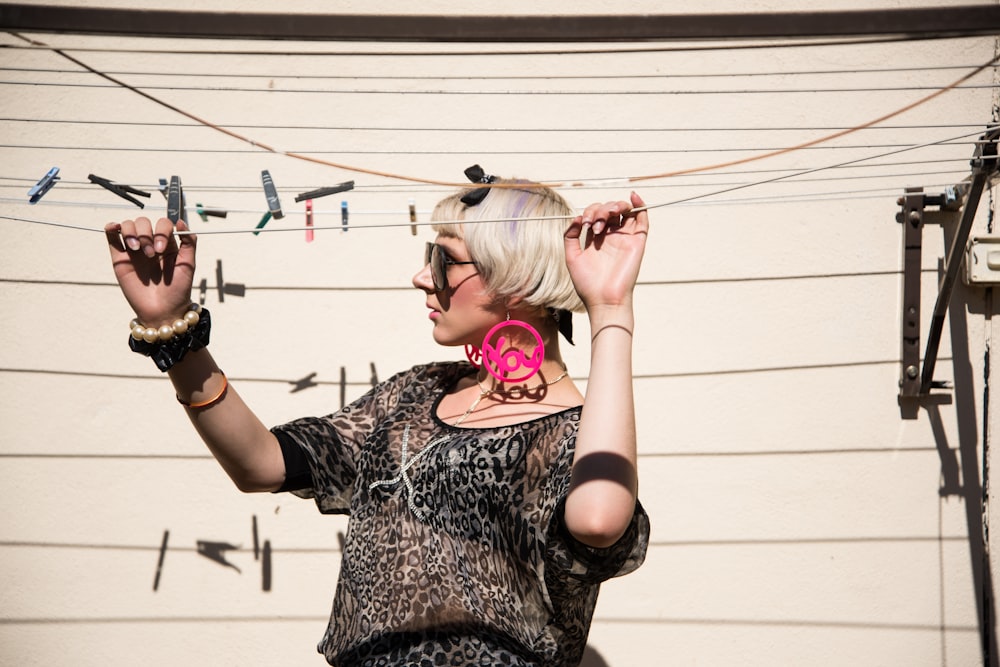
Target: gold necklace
x,y
484,392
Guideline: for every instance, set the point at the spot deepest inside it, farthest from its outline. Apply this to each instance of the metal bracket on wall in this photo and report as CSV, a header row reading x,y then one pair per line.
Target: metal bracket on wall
x,y
916,381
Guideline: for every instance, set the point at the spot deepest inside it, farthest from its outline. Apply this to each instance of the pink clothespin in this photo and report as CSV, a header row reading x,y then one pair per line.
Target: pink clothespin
x,y
310,234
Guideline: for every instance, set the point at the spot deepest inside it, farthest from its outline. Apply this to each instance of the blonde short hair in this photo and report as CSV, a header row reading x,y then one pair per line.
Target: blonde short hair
x,y
515,257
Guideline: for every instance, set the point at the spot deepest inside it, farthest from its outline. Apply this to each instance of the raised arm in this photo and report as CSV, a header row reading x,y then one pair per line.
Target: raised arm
x,y
156,273
604,248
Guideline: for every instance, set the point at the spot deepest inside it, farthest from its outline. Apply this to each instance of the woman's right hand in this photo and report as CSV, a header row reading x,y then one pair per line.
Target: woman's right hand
x,y
154,273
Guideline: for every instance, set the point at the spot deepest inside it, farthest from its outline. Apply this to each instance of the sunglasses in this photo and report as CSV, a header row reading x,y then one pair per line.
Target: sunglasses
x,y
437,258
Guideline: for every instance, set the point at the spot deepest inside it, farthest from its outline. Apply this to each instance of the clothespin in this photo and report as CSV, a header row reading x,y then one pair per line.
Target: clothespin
x,y
163,187
310,235
323,192
175,200
204,213
43,185
271,192
263,221
343,214
120,190
413,217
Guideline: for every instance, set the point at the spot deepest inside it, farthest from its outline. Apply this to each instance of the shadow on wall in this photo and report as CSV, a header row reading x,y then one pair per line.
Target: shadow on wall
x,y
591,658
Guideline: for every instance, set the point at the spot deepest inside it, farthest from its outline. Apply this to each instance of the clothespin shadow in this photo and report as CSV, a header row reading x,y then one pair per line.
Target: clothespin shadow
x,y
224,288
265,554
343,215
206,213
265,567
323,192
374,378
216,551
202,291
343,387
123,191
341,540
413,217
310,234
303,383
43,185
271,194
159,562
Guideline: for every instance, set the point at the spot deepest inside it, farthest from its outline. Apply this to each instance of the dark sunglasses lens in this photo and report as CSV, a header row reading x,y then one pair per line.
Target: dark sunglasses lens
x,y
435,259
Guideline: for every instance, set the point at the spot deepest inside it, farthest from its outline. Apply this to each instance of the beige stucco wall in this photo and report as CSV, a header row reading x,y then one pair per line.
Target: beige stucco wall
x,y
797,517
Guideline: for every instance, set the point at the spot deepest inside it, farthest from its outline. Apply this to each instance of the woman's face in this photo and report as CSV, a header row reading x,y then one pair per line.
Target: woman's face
x,y
463,311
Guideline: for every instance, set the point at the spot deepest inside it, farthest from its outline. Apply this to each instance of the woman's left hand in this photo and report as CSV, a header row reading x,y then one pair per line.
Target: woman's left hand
x,y
604,266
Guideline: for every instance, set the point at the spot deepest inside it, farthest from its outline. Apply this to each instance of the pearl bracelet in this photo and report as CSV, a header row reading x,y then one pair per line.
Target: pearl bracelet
x,y
169,344
167,331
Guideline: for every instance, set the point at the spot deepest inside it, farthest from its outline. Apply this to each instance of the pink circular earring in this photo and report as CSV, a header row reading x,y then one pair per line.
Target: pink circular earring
x,y
474,355
510,364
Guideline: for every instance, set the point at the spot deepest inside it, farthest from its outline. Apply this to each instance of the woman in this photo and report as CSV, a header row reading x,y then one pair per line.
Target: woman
x,y
487,503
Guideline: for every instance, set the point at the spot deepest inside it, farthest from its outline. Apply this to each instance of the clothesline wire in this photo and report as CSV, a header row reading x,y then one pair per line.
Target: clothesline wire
x,y
506,92
493,130
634,179
560,51
468,152
499,77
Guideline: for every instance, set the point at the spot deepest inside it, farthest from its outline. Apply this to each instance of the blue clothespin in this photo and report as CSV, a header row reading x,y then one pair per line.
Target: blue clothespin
x,y
271,192
44,184
343,214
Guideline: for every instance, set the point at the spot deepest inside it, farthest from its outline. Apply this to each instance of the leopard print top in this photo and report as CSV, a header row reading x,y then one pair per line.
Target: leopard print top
x,y
456,553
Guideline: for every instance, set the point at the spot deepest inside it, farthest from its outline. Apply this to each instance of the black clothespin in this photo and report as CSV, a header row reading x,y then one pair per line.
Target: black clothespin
x,y
205,213
120,190
323,192
413,217
175,200
43,185
343,214
271,193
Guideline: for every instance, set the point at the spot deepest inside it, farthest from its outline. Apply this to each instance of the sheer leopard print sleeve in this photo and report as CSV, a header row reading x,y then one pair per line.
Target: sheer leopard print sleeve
x,y
331,444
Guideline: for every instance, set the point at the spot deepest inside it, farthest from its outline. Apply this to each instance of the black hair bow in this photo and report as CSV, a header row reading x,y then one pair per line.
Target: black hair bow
x,y
476,174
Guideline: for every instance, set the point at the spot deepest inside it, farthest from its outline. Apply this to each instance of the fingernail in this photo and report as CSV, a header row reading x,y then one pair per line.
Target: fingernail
x,y
159,245
132,242
598,227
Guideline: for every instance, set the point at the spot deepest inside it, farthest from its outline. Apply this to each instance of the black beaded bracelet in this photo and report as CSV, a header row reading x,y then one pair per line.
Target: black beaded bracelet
x,y
166,353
